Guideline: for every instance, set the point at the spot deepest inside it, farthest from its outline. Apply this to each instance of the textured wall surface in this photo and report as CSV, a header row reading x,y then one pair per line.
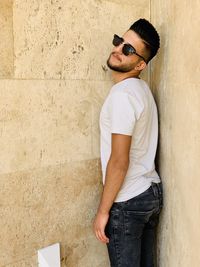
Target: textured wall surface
x,y
53,83
6,36
175,80
68,39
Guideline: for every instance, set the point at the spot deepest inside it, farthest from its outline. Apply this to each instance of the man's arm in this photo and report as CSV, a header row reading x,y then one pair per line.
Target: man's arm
x,y
115,173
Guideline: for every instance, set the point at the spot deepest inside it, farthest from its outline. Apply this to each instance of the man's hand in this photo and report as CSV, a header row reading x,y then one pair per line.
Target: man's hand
x,y
99,226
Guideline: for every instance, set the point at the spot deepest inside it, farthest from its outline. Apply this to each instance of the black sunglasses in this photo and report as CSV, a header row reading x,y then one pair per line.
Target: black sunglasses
x,y
127,49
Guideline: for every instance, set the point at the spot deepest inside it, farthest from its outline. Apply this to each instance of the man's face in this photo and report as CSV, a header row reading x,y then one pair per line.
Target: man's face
x,y
119,62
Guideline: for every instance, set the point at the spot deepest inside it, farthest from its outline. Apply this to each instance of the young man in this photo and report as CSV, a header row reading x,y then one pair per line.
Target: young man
x,y
132,196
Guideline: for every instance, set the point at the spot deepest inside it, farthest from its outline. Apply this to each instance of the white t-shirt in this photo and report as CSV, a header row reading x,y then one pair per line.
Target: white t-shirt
x,y
130,109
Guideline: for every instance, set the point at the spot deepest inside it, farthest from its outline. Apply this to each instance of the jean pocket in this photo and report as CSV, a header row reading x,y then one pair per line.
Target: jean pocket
x,y
115,224
134,222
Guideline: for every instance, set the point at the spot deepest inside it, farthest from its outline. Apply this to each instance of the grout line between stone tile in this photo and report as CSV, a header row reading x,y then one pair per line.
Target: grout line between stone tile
x,y
34,79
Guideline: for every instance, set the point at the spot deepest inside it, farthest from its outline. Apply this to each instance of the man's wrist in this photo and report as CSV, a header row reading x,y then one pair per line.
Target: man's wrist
x,y
103,211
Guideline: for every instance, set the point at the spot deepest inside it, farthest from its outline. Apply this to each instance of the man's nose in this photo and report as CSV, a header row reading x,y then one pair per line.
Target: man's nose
x,y
118,48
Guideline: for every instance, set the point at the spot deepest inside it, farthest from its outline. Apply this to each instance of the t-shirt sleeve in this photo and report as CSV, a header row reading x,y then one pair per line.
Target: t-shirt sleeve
x,y
124,112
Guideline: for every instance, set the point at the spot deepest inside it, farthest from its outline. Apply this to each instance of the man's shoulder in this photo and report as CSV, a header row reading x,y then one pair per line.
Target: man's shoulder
x,y
133,87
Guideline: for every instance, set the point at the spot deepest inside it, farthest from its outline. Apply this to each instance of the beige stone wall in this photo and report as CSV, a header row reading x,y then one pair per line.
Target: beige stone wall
x,y
53,82
175,80
6,37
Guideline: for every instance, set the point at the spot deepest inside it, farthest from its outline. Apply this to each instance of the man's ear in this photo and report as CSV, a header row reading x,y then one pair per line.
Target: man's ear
x,y
141,65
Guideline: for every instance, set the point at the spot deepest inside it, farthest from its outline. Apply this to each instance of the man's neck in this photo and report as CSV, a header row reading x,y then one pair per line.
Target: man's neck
x,y
120,76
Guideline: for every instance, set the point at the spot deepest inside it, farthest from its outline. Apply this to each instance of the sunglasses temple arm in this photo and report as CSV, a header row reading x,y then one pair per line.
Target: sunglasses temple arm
x,y
141,57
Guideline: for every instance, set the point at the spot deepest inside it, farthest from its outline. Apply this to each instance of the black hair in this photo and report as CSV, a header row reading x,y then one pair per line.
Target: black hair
x,y
148,34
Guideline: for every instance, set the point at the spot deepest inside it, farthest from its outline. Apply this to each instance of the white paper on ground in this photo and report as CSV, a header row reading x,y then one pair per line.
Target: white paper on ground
x,y
49,256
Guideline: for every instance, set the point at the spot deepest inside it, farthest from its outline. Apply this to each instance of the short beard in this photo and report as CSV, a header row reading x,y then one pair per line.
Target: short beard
x,y
122,69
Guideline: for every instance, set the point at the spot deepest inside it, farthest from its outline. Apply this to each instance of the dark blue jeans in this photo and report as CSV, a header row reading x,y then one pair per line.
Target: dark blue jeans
x,y
131,229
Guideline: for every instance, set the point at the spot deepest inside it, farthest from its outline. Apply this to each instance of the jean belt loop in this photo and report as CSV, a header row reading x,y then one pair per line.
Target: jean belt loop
x,y
160,189
155,189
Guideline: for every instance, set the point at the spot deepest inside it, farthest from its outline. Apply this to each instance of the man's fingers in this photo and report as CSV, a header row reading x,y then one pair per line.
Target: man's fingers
x,y
105,239
99,227
101,236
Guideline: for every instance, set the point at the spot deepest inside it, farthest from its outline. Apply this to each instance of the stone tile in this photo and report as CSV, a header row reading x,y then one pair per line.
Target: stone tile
x,y
175,61
44,206
44,123
66,40
82,250
175,79
30,262
7,42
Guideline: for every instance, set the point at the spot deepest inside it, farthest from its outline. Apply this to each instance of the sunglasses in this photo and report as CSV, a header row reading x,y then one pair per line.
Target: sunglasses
x,y
127,49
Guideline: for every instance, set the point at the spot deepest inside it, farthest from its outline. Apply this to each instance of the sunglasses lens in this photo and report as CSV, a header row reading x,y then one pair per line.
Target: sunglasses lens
x,y
128,50
117,40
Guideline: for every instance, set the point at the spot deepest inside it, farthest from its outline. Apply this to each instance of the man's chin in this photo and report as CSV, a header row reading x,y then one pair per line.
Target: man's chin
x,y
116,68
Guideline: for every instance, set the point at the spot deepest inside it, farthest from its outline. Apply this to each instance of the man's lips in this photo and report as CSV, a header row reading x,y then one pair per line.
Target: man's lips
x,y
116,56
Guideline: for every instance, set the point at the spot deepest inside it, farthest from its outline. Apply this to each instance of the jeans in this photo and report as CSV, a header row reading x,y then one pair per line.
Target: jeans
x,y
131,229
